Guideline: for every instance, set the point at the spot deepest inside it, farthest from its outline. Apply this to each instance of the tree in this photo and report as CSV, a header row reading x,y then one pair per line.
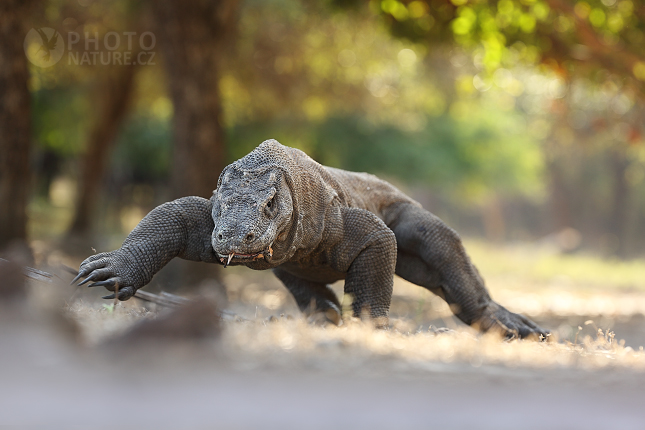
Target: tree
x,y
596,44
113,94
192,36
579,37
14,121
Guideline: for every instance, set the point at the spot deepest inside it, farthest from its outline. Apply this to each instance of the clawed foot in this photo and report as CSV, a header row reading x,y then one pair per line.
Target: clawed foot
x,y
324,317
106,270
510,325
324,312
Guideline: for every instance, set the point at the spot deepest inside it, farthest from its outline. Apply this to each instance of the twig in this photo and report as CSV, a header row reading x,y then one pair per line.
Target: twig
x,y
164,299
32,273
173,300
116,295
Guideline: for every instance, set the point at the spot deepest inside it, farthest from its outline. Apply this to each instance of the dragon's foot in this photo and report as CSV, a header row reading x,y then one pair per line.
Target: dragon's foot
x,y
110,270
324,312
510,325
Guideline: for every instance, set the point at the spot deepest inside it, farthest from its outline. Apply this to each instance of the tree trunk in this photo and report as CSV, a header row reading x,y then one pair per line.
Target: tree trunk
x,y
620,205
190,36
14,122
494,223
560,200
113,95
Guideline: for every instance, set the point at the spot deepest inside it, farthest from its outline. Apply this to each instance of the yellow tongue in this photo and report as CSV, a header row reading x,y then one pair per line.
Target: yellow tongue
x,y
230,257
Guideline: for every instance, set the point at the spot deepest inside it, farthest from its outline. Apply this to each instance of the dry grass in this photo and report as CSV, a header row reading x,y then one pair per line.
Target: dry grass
x,y
98,324
357,342
271,331
288,342
270,368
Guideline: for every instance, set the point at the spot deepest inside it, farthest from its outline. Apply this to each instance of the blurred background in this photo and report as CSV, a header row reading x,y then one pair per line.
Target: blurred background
x,y
518,122
511,120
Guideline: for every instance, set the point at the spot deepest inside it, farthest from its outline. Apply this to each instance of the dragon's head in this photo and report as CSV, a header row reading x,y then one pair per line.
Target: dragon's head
x,y
253,214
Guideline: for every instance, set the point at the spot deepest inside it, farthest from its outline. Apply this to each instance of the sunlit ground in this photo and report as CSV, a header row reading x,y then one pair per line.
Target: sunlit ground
x,y
271,368
594,308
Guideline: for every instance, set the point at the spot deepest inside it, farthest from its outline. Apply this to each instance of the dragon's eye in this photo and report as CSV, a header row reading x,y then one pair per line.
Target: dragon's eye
x,y
270,208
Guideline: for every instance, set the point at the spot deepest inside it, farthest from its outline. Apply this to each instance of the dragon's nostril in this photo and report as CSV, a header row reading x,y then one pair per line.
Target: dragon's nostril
x,y
250,237
220,237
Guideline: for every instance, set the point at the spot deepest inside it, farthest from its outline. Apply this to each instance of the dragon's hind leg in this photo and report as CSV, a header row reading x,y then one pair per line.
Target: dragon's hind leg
x,y
431,254
314,299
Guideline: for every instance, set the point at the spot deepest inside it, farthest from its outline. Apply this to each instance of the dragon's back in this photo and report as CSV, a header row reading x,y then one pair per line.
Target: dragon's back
x,y
322,184
367,191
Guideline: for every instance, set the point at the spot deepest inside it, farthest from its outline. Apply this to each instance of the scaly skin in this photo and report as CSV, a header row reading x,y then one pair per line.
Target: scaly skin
x,y
278,209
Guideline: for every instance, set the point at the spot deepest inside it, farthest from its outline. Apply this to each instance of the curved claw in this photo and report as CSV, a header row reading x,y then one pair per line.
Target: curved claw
x,y
76,278
124,294
87,266
511,335
510,325
99,274
83,272
88,279
106,283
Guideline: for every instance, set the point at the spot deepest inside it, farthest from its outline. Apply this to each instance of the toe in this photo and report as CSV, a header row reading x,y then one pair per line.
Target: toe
x,y
107,283
125,293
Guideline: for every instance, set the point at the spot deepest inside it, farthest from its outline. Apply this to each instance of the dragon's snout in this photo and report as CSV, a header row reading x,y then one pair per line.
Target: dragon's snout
x,y
236,234
240,241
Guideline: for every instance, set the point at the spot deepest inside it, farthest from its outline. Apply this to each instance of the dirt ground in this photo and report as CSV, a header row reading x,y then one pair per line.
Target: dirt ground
x,y
264,366
50,383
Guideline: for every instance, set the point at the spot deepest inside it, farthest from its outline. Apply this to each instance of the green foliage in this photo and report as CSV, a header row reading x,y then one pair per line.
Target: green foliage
x,y
580,37
471,157
143,150
336,85
60,118
487,153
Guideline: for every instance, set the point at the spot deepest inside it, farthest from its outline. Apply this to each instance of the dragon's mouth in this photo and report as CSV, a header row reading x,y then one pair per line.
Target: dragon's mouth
x,y
265,253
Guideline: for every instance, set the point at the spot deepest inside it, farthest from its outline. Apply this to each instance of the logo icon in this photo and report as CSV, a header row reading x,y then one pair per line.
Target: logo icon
x,y
44,46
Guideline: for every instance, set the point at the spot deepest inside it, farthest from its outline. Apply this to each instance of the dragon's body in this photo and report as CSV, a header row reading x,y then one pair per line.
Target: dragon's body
x,y
278,209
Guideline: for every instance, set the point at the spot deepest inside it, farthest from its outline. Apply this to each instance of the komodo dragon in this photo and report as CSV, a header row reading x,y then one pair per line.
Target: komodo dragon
x,y
278,209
